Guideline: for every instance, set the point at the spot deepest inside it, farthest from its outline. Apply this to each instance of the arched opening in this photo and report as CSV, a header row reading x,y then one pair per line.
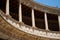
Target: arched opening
x,y
14,8
39,19
26,15
3,5
53,22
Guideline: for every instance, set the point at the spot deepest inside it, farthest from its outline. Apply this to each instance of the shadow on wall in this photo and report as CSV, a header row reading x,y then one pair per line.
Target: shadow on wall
x,y
3,39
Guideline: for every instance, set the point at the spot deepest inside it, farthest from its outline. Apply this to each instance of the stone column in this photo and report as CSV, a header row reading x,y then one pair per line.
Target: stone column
x,y
46,22
7,7
20,13
59,21
33,18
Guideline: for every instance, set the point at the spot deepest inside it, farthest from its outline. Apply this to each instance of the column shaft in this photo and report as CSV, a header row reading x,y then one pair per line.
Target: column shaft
x,y
33,18
59,21
20,13
46,22
7,7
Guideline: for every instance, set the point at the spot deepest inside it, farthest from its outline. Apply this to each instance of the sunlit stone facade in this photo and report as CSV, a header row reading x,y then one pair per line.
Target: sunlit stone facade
x,y
31,17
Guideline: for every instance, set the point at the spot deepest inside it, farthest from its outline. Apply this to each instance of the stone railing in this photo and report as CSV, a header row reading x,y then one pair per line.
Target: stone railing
x,y
30,30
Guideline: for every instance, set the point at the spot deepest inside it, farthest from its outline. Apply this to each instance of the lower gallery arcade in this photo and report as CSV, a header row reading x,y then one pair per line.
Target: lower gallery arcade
x,y
30,16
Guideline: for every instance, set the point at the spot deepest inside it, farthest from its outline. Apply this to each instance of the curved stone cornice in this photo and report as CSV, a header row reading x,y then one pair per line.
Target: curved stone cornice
x,y
40,7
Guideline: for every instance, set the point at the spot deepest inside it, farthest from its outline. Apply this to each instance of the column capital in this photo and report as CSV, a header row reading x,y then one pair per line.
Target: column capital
x,y
19,1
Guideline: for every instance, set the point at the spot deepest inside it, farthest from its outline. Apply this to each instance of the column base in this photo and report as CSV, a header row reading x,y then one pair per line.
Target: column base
x,y
48,30
21,23
34,27
8,16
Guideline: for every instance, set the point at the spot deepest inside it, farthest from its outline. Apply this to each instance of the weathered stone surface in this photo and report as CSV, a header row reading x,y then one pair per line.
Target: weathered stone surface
x,y
15,34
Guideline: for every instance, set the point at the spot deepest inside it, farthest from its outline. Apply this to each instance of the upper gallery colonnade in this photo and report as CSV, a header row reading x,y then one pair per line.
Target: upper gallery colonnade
x,y
32,15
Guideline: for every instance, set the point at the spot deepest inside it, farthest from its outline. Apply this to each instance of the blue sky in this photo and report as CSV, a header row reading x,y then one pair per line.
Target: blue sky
x,y
54,3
